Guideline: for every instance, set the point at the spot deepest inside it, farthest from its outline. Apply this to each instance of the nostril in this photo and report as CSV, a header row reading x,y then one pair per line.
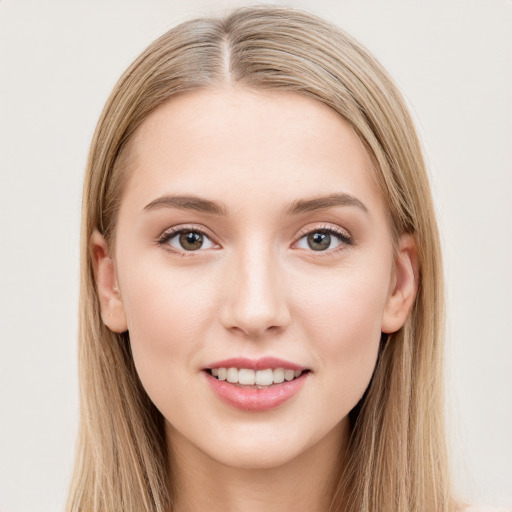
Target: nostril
x,y
255,331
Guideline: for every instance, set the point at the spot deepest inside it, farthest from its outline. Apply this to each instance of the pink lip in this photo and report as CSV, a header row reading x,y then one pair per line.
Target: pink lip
x,y
255,399
256,364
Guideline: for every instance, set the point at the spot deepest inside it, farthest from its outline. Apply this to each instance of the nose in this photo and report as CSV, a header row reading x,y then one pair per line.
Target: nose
x,y
255,302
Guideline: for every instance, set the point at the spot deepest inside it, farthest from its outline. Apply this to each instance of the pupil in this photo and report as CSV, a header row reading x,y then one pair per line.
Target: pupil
x,y
191,241
319,241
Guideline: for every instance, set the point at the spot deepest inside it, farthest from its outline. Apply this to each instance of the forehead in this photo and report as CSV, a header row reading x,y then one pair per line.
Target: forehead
x,y
231,144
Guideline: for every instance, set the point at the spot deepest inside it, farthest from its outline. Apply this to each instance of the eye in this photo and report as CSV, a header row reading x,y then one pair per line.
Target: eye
x,y
188,240
323,240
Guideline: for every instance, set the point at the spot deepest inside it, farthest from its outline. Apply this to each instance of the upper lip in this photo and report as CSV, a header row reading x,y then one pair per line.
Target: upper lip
x,y
262,363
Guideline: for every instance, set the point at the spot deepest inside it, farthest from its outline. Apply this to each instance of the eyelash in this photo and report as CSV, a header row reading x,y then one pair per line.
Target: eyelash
x,y
172,232
343,237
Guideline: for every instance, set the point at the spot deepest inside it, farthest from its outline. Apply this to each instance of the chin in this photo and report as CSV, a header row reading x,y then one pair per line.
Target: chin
x,y
263,448
256,456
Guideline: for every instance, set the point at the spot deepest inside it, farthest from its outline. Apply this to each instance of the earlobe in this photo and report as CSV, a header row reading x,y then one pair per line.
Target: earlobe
x,y
111,304
404,285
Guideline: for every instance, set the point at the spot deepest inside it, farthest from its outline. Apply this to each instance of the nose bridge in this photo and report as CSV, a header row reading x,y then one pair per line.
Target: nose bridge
x,y
256,301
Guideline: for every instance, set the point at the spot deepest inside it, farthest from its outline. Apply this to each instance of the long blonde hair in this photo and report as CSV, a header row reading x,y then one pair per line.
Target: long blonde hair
x,y
396,458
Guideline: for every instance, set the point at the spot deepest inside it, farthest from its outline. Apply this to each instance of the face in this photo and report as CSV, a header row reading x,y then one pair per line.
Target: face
x,y
251,236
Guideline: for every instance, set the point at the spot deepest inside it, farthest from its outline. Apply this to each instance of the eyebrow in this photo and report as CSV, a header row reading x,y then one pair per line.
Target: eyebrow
x,y
187,203
320,203
217,208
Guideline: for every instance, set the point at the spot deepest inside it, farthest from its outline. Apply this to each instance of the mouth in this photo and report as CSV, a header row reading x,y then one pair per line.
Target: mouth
x,y
259,379
256,385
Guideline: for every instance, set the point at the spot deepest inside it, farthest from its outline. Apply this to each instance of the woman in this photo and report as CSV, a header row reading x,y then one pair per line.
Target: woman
x,y
262,292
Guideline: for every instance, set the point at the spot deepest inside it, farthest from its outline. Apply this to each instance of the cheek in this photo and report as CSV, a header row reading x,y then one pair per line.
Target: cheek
x,y
168,312
344,309
164,302
342,318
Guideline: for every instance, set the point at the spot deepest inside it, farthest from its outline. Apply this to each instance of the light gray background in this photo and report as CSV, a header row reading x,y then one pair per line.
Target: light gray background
x,y
59,61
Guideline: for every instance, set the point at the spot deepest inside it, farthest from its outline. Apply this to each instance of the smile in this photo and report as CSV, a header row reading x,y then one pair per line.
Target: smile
x,y
255,378
256,385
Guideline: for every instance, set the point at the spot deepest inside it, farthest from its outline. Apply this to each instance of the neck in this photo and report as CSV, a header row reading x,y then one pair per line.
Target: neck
x,y
302,484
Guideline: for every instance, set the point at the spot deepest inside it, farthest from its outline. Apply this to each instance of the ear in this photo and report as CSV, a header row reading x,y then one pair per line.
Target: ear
x,y
404,285
111,304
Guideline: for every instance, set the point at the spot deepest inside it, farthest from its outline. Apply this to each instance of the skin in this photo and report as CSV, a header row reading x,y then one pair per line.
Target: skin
x,y
255,288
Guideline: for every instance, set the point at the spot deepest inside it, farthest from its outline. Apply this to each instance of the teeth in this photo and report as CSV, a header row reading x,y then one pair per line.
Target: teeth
x,y
248,377
232,375
264,377
289,374
278,375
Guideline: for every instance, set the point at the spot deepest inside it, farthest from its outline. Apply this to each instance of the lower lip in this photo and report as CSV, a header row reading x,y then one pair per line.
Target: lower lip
x,y
256,399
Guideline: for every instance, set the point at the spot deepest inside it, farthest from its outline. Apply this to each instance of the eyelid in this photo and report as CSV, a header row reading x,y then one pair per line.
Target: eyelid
x,y
332,228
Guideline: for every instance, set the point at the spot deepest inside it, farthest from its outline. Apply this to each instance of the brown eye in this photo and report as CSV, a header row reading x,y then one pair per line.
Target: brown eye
x,y
323,240
319,241
186,240
191,240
